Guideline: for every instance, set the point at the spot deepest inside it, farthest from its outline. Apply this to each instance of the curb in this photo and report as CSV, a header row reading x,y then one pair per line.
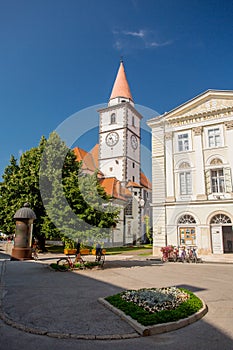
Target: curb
x,y
159,328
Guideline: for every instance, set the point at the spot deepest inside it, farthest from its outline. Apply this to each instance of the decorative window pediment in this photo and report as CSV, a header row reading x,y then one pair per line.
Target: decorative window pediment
x,y
184,165
216,161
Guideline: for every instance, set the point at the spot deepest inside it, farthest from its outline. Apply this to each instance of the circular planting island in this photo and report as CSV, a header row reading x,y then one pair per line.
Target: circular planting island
x,y
157,310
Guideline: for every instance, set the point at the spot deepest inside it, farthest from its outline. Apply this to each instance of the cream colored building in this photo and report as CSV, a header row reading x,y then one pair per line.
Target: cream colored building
x,y
192,167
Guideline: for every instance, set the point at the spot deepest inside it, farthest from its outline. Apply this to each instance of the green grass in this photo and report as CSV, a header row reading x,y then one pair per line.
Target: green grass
x,y
187,308
55,249
122,250
109,251
87,264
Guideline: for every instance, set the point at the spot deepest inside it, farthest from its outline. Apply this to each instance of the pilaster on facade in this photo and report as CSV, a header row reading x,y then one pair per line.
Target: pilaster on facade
x,y
169,168
159,229
199,164
229,142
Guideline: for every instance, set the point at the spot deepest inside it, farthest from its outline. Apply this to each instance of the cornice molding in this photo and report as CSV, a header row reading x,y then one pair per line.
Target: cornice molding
x,y
199,117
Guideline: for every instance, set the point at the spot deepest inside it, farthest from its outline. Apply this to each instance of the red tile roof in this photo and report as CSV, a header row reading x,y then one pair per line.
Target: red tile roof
x,y
133,184
95,154
111,185
86,158
145,182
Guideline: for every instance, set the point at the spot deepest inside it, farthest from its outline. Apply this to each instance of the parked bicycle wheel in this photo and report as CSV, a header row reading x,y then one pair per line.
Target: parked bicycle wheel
x,y
100,258
63,264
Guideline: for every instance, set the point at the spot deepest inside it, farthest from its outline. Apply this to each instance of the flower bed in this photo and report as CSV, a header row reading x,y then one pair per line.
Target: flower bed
x,y
78,266
156,299
153,306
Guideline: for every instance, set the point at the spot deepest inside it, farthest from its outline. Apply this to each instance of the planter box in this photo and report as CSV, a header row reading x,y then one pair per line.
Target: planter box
x,y
94,251
84,251
69,251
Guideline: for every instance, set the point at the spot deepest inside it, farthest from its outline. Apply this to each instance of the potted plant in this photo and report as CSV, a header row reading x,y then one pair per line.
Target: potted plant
x,y
93,251
69,247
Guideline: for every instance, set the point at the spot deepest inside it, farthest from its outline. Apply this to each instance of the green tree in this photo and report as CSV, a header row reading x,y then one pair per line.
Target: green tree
x,y
66,202
21,184
148,228
74,201
9,195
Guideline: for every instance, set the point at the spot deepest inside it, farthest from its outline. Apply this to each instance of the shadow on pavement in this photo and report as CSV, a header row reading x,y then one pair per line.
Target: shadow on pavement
x,y
67,303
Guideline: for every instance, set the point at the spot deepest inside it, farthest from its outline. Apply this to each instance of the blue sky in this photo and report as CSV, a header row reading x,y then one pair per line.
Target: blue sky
x,y
58,57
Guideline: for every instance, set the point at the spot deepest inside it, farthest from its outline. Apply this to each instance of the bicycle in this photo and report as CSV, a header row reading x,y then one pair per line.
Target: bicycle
x,y
192,255
100,257
66,263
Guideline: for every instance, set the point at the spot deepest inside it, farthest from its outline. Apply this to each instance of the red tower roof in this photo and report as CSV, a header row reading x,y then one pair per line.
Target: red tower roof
x,y
121,86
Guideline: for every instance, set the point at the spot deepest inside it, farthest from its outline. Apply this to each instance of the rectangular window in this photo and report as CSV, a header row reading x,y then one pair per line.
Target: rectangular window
x,y
214,137
133,121
185,183
217,181
183,142
128,209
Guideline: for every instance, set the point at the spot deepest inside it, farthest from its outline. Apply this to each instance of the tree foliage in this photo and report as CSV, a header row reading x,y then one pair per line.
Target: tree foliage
x,y
67,203
73,200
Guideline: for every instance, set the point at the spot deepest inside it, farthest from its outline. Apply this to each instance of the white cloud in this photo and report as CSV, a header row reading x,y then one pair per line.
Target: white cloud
x,y
156,44
127,40
140,34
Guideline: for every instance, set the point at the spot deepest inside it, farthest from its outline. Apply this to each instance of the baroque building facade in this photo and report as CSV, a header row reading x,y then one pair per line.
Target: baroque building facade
x,y
192,167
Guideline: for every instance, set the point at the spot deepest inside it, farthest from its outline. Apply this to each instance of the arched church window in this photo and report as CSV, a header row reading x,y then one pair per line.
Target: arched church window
x,y
220,219
113,118
186,219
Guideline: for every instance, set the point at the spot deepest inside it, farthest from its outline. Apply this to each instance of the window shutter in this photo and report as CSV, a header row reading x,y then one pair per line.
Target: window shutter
x,y
228,182
208,181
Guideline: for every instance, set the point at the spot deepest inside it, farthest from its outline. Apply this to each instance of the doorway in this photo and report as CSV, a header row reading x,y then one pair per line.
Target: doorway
x,y
221,234
227,232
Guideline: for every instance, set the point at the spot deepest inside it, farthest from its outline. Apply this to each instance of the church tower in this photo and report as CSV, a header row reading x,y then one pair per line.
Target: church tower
x,y
119,134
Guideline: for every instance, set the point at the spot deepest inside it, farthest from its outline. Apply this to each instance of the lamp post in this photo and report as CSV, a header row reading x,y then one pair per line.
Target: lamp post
x,y
23,233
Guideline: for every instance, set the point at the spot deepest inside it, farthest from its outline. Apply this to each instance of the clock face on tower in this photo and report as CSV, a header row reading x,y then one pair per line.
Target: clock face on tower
x,y
112,139
134,142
